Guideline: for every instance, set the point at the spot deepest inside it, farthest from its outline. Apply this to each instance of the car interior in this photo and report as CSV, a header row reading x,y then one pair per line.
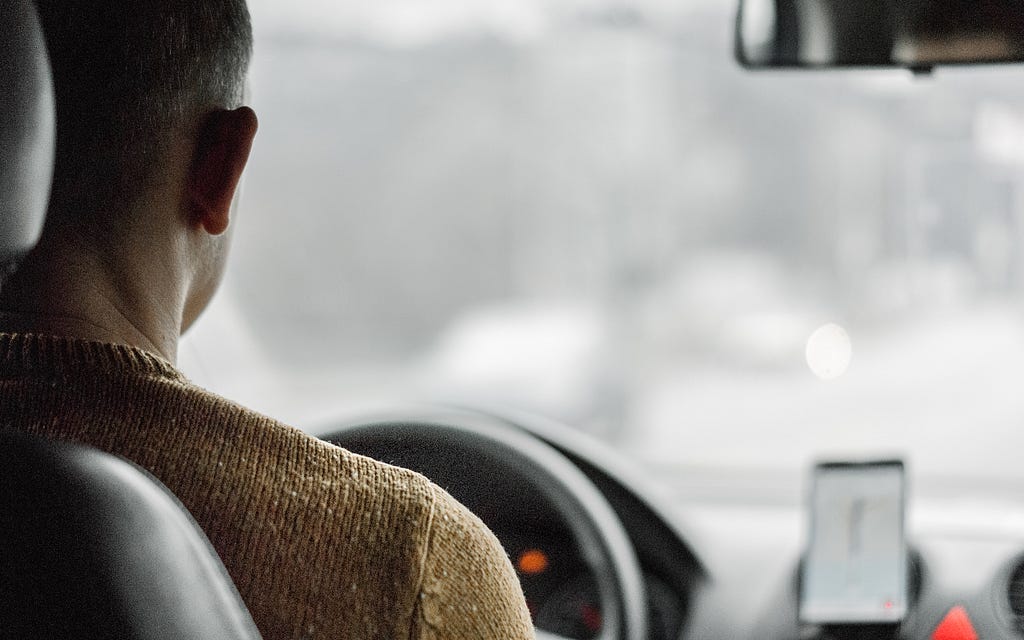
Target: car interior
x,y
768,531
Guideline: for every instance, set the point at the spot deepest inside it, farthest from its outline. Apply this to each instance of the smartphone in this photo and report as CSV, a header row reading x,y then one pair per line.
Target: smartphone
x,y
854,570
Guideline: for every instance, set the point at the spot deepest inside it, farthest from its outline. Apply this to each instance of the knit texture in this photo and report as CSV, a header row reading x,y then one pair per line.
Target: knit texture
x,y
321,542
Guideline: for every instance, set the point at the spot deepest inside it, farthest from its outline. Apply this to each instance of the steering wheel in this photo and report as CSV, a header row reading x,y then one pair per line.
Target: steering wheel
x,y
468,453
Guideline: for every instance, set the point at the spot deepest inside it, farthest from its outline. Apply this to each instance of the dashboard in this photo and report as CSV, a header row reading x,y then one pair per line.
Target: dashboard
x,y
709,562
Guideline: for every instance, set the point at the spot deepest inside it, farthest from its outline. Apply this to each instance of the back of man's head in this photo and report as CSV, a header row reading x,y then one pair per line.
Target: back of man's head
x,y
129,77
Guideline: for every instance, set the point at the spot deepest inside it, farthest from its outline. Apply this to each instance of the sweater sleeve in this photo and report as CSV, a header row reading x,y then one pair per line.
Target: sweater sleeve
x,y
468,587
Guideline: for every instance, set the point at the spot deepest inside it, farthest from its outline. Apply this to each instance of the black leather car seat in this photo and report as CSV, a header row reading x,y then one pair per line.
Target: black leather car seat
x,y
91,546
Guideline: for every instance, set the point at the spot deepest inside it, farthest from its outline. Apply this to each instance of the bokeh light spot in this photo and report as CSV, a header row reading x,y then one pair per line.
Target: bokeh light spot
x,y
829,352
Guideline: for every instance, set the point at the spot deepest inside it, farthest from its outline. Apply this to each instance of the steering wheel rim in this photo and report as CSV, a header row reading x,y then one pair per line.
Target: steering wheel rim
x,y
454,437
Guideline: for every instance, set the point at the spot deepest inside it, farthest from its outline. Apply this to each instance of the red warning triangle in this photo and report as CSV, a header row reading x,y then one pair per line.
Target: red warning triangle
x,y
955,626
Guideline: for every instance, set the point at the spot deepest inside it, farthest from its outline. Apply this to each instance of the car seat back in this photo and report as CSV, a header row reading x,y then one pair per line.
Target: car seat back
x,y
94,548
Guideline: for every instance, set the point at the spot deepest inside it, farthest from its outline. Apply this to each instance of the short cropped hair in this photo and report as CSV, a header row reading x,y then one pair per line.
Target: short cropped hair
x,y
126,74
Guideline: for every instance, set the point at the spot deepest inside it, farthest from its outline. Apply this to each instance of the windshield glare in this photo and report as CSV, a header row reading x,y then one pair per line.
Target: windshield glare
x,y
588,210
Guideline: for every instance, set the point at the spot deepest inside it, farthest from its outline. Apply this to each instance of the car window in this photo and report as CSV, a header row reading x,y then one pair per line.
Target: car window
x,y
588,210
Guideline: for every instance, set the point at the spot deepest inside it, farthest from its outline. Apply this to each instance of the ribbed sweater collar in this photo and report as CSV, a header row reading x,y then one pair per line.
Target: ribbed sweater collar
x,y
22,354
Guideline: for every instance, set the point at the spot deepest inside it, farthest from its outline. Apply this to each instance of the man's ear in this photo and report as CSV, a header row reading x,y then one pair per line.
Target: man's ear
x,y
222,150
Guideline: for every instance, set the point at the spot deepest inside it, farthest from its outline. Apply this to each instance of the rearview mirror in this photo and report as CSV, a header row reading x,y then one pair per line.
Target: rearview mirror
x,y
916,34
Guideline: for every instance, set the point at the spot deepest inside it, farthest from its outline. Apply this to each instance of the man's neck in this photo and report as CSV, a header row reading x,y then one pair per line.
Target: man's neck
x,y
65,289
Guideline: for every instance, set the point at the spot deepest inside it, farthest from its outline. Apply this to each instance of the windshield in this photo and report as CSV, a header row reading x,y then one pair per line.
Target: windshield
x,y
588,210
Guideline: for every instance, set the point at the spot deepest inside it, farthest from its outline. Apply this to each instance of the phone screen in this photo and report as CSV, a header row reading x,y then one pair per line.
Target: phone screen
x,y
855,568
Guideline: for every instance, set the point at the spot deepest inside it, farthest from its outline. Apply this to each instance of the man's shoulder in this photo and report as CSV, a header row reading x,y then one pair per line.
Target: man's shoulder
x,y
468,585
139,407
294,518
294,452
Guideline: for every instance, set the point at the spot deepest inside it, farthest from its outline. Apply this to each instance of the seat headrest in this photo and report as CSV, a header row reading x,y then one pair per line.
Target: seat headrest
x,y
27,129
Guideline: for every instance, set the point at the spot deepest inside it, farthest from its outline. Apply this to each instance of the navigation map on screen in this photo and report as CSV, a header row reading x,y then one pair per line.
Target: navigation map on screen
x,y
855,567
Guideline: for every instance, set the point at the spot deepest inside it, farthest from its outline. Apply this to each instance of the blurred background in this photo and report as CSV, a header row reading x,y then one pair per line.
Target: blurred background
x,y
588,210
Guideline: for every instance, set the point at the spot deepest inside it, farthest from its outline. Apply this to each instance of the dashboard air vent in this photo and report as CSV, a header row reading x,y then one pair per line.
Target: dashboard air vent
x,y
1015,591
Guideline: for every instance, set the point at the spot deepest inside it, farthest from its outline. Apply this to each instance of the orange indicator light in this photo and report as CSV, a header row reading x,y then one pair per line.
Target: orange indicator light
x,y
533,561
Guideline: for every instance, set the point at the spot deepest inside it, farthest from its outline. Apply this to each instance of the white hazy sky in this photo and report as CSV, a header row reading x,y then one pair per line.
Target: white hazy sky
x,y
413,22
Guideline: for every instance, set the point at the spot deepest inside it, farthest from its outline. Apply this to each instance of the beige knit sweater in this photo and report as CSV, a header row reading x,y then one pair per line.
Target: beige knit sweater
x,y
322,543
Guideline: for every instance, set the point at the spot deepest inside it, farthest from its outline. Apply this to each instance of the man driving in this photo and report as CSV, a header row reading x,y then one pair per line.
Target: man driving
x,y
152,139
